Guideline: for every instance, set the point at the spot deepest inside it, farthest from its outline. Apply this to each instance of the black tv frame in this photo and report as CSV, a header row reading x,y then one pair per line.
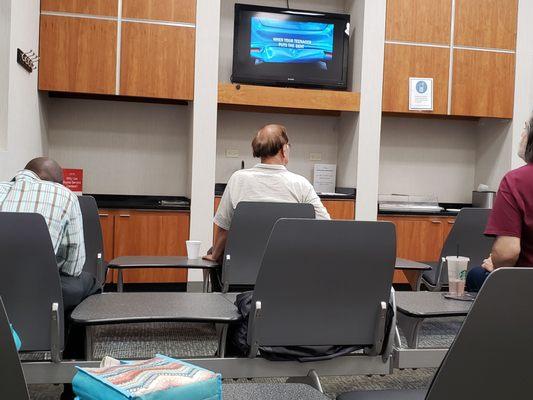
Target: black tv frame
x,y
305,83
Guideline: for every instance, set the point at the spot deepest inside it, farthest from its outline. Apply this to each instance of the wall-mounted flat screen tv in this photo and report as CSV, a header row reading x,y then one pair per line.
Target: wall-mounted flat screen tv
x,y
286,47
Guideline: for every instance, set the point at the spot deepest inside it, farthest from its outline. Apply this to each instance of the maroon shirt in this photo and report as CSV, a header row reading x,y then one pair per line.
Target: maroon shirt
x,y
512,214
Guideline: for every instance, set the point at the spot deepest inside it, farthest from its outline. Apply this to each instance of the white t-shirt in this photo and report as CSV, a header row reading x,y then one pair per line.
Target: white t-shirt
x,y
266,183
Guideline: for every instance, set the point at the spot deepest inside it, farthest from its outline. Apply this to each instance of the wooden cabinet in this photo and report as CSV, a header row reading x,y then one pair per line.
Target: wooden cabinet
x,y
405,61
77,55
448,225
149,233
420,44
162,10
489,24
79,41
91,7
155,234
483,84
157,61
420,21
340,209
418,238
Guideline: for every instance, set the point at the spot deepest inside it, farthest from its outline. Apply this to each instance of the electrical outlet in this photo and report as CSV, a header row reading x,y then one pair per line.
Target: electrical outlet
x,y
315,156
232,153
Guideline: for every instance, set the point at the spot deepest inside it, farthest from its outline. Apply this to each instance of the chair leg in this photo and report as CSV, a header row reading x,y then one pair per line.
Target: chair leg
x,y
89,343
222,338
312,379
410,327
120,281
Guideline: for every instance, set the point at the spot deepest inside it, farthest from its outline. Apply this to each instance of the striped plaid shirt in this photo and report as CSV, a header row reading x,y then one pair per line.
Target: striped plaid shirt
x,y
60,209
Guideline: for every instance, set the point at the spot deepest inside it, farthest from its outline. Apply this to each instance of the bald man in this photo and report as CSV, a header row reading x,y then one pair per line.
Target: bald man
x,y
38,188
269,181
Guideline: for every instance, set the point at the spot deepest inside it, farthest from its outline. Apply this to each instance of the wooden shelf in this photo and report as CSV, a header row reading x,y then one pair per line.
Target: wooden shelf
x,y
290,100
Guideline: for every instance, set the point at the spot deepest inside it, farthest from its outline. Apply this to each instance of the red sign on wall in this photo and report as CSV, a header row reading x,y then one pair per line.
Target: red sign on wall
x,y
73,180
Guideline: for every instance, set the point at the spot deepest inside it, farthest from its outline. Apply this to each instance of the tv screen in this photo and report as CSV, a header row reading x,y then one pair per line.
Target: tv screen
x,y
285,47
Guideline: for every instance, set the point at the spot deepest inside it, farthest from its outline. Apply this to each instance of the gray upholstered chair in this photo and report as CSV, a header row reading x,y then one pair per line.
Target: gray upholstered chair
x,y
491,356
250,229
30,285
467,236
324,283
94,244
13,384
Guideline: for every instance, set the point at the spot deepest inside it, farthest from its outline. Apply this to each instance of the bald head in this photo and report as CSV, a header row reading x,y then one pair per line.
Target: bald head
x,y
269,141
47,169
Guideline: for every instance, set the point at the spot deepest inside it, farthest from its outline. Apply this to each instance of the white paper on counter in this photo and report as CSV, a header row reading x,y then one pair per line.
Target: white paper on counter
x,y
325,178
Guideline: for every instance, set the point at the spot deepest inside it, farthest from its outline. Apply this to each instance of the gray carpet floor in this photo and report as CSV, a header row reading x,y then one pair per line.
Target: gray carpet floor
x,y
137,341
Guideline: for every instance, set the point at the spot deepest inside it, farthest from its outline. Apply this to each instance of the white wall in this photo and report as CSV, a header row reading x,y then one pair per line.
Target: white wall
x,y
26,113
428,156
369,123
123,147
5,35
348,137
307,134
493,151
204,124
524,78
236,129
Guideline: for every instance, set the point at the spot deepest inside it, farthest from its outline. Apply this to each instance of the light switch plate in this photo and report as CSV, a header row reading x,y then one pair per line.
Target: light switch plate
x,y
232,153
315,156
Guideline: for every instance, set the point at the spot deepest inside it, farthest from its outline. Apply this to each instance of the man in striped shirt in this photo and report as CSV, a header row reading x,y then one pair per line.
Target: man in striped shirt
x,y
38,188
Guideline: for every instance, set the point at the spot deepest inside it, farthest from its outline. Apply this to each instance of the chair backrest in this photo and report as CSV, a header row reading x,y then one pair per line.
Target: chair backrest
x,y
247,238
30,278
468,234
323,283
491,356
13,384
92,232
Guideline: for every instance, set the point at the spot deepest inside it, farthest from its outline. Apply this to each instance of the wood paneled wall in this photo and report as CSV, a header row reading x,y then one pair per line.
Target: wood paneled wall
x,y
483,43
92,7
163,10
78,47
77,55
419,21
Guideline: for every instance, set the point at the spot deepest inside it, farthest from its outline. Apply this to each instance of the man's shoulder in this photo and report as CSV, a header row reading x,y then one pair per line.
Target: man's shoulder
x,y
61,191
299,179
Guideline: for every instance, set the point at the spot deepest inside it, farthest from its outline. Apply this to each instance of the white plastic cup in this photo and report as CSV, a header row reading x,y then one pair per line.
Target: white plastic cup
x,y
457,267
193,249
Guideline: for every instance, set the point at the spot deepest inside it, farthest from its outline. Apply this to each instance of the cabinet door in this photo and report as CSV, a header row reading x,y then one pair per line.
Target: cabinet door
x,y
107,223
340,209
403,62
448,225
417,238
163,10
157,61
419,21
483,84
486,23
91,7
152,234
78,55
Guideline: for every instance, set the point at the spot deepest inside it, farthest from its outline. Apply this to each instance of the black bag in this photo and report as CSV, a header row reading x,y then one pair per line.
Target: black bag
x,y
238,344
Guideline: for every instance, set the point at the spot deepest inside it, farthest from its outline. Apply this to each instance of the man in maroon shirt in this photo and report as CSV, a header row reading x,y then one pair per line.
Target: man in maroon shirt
x,y
511,220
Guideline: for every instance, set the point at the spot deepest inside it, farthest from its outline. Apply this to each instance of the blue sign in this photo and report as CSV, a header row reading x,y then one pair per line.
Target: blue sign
x,y
421,87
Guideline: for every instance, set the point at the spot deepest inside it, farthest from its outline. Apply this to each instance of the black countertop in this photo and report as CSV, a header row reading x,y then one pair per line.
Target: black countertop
x,y
181,203
170,203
